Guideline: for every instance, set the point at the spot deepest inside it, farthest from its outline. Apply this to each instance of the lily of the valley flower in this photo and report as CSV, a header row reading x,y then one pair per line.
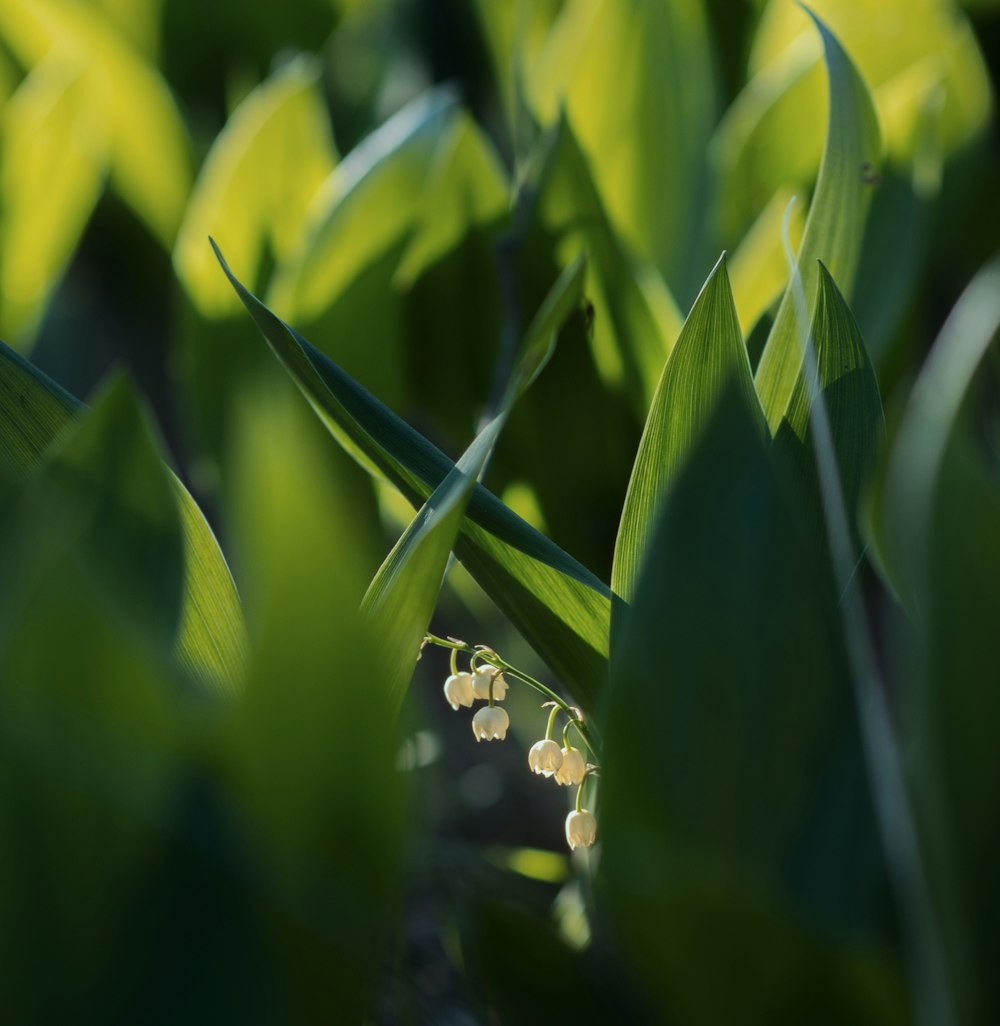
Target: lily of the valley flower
x,y
572,768
489,723
458,690
581,829
545,757
481,684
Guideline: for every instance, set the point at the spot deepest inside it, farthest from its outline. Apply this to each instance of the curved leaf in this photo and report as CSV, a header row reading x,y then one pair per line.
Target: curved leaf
x,y
835,225
708,354
847,383
210,639
558,605
257,182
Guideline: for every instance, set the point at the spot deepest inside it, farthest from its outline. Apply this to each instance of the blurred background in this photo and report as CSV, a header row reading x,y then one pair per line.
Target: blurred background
x,y
401,180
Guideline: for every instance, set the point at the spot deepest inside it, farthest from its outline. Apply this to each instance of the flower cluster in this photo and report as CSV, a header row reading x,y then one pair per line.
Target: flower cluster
x,y
485,681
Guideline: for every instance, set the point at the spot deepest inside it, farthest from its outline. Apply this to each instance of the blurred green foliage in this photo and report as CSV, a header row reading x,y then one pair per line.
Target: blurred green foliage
x,y
228,787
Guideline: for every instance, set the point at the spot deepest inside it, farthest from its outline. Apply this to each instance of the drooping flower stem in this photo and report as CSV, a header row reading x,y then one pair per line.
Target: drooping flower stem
x,y
485,654
552,722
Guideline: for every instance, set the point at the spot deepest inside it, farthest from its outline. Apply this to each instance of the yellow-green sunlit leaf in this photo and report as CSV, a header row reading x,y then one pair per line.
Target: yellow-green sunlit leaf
x,y
758,269
150,164
366,206
709,354
558,605
636,321
210,637
772,136
835,225
466,185
896,45
53,161
635,80
256,184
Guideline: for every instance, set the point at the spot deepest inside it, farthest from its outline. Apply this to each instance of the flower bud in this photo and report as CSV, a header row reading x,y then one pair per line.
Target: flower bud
x,y
581,829
545,758
458,690
490,722
573,768
481,684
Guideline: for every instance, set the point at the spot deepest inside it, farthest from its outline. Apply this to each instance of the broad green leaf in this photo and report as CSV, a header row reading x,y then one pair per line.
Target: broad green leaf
x,y
257,182
310,751
90,769
740,863
404,593
908,489
515,34
103,492
645,64
895,49
938,521
636,321
559,606
466,186
150,164
835,226
771,136
365,208
210,638
708,355
849,390
758,268
53,161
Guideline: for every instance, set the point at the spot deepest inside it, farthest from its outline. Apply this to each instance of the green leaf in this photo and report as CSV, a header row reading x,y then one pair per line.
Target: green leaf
x,y
54,161
365,209
150,163
758,267
256,184
835,225
102,491
647,65
210,639
559,606
904,499
937,515
404,593
310,751
636,321
709,354
849,390
740,861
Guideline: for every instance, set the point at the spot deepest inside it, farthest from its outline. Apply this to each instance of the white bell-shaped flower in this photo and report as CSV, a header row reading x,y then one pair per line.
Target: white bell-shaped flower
x,y
458,690
581,829
545,758
481,684
490,722
573,767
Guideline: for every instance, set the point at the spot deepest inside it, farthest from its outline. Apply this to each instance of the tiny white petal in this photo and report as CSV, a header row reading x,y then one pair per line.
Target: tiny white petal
x,y
489,723
573,768
544,757
481,684
581,829
458,690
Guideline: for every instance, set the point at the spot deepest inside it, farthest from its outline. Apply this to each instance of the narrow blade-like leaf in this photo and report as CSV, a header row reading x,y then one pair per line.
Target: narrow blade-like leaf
x,y
708,354
835,225
211,636
560,607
